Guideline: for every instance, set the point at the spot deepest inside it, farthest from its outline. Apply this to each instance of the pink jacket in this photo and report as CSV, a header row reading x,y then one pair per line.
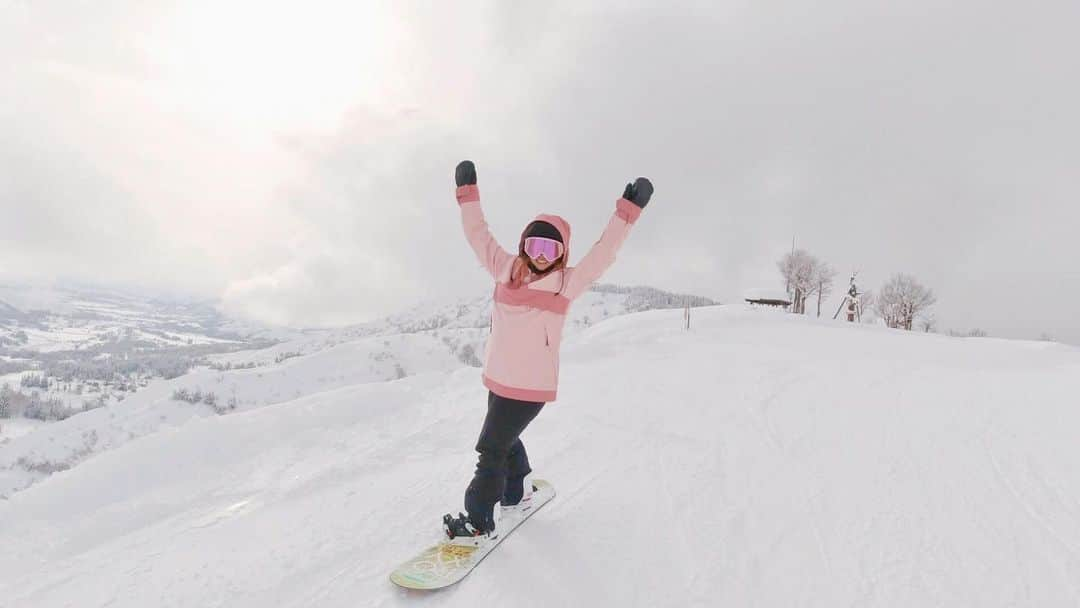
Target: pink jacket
x,y
521,360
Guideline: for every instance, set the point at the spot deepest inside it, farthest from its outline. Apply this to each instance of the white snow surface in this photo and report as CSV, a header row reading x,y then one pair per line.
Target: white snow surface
x,y
30,457
433,336
758,459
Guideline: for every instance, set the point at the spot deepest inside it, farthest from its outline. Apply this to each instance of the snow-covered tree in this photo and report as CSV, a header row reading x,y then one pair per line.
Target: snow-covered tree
x,y
867,300
823,282
796,269
903,299
804,275
928,324
34,381
5,401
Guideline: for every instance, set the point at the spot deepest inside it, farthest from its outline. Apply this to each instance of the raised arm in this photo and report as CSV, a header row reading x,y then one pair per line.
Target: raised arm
x,y
496,259
603,252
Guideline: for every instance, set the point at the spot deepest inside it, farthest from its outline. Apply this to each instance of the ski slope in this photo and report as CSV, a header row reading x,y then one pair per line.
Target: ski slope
x,y
432,336
31,457
757,459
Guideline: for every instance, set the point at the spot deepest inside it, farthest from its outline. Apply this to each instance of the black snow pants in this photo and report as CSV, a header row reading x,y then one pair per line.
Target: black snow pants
x,y
503,462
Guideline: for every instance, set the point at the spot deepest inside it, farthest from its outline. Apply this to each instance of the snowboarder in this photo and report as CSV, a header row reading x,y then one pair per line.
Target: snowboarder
x,y
533,291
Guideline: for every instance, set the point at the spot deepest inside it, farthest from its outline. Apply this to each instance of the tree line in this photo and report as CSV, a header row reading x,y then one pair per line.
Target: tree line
x,y
901,302
14,403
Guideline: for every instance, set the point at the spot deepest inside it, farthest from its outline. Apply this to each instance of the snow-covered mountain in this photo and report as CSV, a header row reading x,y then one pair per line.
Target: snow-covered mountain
x,y
430,337
456,322
755,459
66,349
63,317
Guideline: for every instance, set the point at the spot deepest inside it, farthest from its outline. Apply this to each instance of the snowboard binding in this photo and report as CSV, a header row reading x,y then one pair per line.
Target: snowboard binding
x,y
460,531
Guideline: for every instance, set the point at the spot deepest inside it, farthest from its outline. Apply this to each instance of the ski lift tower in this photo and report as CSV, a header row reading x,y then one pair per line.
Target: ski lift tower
x,y
851,302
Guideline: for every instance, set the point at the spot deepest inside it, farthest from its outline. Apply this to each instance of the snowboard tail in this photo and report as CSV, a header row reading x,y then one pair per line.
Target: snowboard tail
x,y
446,563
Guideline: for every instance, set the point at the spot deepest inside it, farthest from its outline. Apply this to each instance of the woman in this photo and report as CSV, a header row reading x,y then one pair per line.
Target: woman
x,y
533,291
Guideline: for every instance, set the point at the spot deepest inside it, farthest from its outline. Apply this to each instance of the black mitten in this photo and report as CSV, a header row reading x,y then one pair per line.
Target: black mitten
x,y
465,175
639,192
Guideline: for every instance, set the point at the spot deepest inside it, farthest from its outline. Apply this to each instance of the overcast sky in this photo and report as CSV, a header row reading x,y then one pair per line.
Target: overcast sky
x,y
297,162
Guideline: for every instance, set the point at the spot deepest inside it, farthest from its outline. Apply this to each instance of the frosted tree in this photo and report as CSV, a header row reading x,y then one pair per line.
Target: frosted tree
x,y
928,324
867,301
823,282
804,275
903,299
796,268
5,401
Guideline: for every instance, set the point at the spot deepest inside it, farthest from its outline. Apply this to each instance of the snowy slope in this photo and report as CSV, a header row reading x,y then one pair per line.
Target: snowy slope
x,y
757,459
432,336
29,457
456,322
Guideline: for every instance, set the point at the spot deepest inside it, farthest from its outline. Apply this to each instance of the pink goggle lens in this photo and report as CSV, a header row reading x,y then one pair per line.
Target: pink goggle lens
x,y
537,245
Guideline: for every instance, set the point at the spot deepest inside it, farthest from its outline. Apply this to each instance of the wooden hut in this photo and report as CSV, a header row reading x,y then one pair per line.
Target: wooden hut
x,y
772,298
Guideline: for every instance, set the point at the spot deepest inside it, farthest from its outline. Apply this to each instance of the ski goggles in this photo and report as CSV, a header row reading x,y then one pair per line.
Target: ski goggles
x,y
535,246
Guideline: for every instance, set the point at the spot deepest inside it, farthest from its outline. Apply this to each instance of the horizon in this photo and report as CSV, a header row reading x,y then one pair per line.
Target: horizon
x,y
140,292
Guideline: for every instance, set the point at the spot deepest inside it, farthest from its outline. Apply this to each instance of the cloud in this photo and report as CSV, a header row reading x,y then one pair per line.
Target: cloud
x,y
921,138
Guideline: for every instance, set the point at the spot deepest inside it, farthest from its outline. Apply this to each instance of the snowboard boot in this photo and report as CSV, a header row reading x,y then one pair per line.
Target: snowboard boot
x,y
518,495
460,531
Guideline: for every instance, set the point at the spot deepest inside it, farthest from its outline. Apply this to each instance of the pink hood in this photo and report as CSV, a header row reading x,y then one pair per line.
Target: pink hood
x,y
560,224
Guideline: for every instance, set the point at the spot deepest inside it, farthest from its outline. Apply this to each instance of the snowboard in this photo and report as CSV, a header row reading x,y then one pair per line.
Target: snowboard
x,y
445,564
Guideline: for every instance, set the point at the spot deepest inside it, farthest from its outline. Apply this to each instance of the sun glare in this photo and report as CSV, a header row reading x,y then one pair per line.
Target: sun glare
x,y
267,65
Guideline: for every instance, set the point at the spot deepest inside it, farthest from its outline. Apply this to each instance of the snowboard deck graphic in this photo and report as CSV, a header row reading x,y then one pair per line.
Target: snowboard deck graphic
x,y
445,564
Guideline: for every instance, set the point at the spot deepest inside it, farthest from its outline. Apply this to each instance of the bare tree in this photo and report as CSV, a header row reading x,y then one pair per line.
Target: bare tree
x,y
867,300
5,401
823,282
804,275
795,268
928,324
902,299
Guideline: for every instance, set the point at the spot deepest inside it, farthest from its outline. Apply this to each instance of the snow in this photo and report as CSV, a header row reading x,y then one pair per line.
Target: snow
x,y
58,318
461,319
10,428
30,458
756,459
431,336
